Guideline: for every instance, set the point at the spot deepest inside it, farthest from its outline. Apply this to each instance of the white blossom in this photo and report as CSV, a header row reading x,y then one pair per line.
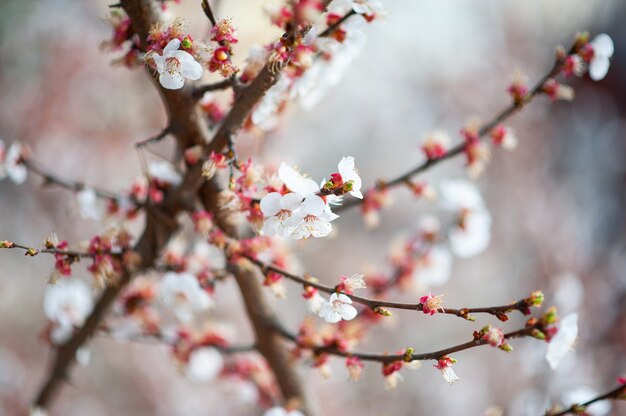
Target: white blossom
x,y
67,303
460,194
205,364
164,172
277,209
603,49
472,234
311,219
435,268
296,182
175,65
338,307
11,163
449,375
281,411
315,303
88,204
473,237
348,173
264,114
324,74
184,295
564,340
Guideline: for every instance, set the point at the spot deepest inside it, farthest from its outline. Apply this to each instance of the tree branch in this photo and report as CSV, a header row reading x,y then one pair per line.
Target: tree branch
x,y
618,393
387,358
521,305
460,148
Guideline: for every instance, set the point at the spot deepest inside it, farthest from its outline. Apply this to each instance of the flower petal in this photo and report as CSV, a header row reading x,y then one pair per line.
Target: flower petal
x,y
603,45
599,67
270,204
171,47
171,80
192,70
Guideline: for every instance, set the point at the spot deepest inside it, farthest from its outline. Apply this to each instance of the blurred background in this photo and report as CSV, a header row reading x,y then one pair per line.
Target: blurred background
x,y
558,201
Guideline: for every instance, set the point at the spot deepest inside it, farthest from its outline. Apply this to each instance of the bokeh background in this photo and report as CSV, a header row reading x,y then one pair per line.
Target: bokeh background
x,y
558,201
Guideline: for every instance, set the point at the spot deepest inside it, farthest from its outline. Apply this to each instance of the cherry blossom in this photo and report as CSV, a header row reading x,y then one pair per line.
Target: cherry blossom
x,y
349,176
175,65
67,304
281,411
563,341
296,182
338,307
431,303
277,209
88,204
434,267
602,52
472,234
445,366
350,284
436,144
312,219
204,365
182,292
11,163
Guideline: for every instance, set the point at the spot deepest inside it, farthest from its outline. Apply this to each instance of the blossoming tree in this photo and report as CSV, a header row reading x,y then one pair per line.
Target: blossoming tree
x,y
238,215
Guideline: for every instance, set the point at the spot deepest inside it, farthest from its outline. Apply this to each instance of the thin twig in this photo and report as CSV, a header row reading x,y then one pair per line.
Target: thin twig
x,y
387,358
76,186
154,139
521,305
200,90
460,148
330,29
618,393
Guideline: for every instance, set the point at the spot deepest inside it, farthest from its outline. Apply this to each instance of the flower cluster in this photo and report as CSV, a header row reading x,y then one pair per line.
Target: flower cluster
x,y
301,209
67,303
593,55
173,54
223,35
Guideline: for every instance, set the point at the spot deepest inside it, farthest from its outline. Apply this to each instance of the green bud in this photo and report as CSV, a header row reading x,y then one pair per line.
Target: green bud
x,y
550,317
408,355
348,186
506,347
470,318
579,409
538,334
186,43
381,311
536,298
31,252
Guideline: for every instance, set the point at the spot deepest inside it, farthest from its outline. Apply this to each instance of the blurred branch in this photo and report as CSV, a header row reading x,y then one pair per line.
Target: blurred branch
x,y
208,11
618,393
31,251
200,90
499,311
330,29
460,148
76,186
154,139
388,358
